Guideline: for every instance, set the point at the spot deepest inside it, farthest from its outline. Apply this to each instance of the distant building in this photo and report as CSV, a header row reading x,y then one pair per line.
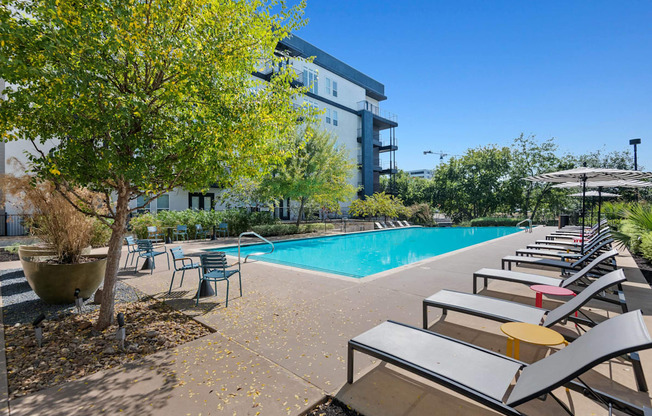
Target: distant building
x,y
421,173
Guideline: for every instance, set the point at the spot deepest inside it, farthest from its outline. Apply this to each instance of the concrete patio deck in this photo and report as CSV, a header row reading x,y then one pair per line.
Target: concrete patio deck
x,y
281,347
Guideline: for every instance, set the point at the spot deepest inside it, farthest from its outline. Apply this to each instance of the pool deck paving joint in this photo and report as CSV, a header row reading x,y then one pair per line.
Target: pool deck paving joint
x,y
281,348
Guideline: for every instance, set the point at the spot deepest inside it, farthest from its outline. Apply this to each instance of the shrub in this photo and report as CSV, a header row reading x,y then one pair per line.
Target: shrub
x,y
139,224
289,229
646,245
100,234
494,221
55,221
421,214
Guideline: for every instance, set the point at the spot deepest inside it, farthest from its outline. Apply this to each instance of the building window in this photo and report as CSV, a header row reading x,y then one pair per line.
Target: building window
x,y
201,202
334,118
310,80
328,115
143,202
328,86
163,203
334,88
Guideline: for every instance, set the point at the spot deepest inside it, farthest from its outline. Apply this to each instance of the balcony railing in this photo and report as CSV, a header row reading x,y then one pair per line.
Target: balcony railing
x,y
376,110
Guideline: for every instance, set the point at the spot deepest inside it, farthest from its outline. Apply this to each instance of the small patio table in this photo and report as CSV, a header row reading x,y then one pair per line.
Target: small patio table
x,y
549,290
530,333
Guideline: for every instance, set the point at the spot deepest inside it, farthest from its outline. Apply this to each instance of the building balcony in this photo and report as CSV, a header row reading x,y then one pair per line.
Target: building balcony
x,y
365,105
388,168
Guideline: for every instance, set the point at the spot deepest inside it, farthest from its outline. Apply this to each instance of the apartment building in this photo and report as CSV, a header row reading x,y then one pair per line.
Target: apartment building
x,y
420,173
350,103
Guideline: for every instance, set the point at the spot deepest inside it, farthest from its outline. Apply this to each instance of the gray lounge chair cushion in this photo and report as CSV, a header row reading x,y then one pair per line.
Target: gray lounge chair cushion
x,y
616,336
486,307
486,373
518,277
566,309
540,262
535,279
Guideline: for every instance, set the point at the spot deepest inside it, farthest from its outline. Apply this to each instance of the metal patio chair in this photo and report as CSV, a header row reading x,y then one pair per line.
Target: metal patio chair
x,y
180,232
146,251
214,268
223,228
153,233
132,249
200,232
186,264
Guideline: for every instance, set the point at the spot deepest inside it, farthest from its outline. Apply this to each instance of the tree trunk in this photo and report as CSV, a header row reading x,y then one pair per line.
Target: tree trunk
x,y
301,205
113,259
539,199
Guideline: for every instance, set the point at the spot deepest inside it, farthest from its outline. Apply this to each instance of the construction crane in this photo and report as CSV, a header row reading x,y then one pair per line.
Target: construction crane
x,y
442,155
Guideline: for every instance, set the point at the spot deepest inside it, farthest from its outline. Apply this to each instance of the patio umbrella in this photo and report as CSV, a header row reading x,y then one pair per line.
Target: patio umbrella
x,y
584,174
622,183
599,194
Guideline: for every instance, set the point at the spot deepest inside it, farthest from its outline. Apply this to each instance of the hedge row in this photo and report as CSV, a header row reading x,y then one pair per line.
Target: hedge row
x,y
495,221
289,229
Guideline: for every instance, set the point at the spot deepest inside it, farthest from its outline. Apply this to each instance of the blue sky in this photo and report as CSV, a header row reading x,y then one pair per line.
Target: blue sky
x,y
465,73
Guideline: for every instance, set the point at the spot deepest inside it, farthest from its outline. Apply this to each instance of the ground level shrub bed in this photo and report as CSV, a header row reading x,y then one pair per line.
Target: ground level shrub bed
x,y
73,349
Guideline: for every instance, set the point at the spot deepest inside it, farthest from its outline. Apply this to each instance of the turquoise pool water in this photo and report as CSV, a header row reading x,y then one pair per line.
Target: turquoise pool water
x,y
364,254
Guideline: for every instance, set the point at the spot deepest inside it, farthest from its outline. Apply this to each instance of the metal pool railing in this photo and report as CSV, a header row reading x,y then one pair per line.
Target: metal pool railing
x,y
528,227
251,233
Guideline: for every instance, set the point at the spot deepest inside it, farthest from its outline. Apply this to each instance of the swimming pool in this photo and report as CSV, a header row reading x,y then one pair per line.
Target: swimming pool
x,y
363,254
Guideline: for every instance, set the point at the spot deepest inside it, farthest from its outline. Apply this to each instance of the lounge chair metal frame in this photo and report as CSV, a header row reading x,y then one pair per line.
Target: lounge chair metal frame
x,y
532,386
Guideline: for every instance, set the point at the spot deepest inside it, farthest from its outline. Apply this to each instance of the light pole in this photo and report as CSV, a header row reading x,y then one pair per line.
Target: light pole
x,y
635,142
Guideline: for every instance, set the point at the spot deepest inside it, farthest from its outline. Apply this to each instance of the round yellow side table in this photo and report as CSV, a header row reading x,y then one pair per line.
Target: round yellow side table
x,y
530,333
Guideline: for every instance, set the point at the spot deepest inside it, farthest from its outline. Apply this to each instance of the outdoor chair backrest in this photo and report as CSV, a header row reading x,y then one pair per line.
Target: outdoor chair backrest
x,y
182,228
589,254
596,261
198,227
614,337
223,226
177,253
566,309
152,230
145,245
130,240
214,260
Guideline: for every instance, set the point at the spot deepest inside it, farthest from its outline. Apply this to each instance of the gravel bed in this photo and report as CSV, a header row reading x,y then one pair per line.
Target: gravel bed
x,y
21,305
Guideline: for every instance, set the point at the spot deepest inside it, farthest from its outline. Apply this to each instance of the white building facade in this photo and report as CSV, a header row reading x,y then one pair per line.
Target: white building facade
x,y
350,103
420,173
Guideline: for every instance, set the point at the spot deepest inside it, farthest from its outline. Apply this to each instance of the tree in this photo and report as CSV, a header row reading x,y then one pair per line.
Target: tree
x,y
530,157
409,189
472,185
318,174
378,204
141,97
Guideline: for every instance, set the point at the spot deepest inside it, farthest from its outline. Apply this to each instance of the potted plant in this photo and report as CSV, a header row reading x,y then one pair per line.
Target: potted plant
x,y
62,263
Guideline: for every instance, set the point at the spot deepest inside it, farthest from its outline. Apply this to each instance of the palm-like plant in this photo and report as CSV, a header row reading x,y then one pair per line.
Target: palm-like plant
x,y
637,222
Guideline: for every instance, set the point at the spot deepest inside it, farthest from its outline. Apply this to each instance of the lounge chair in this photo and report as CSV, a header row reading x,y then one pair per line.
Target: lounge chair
x,y
378,226
573,236
391,224
486,376
535,279
574,244
530,252
569,248
506,311
559,264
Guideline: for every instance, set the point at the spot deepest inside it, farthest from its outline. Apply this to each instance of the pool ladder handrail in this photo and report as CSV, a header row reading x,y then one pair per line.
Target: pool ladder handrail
x,y
528,228
251,233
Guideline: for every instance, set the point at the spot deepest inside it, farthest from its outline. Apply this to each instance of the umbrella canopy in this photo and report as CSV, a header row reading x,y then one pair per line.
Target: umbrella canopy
x,y
596,194
583,175
589,174
622,183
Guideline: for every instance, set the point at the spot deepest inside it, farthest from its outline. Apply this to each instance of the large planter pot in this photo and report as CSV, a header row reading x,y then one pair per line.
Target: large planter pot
x,y
35,251
42,251
56,283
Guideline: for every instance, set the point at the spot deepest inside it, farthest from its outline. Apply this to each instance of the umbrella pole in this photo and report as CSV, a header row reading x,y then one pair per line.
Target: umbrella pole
x,y
583,212
599,206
